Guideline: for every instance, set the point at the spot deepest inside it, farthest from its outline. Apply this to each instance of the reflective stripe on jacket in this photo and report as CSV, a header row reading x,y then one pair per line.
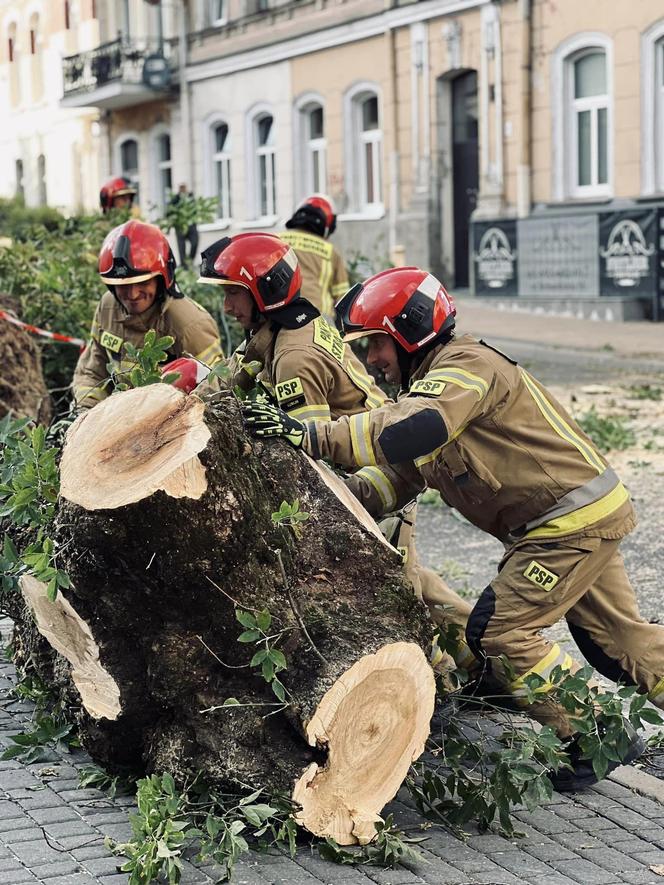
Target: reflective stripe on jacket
x,y
492,440
324,274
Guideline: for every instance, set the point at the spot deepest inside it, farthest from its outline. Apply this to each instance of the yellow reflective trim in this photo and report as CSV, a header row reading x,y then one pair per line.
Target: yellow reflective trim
x,y
585,516
304,242
656,695
382,484
427,459
82,393
213,353
555,658
562,428
328,338
340,288
311,413
461,377
374,398
361,440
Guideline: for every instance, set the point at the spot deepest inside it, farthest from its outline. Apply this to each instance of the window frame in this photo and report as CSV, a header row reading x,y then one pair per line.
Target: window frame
x,y
305,146
269,151
565,143
356,141
216,21
161,196
224,159
135,179
652,109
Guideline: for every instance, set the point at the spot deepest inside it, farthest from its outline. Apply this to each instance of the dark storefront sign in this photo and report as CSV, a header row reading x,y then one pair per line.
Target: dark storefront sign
x,y
583,255
495,258
628,259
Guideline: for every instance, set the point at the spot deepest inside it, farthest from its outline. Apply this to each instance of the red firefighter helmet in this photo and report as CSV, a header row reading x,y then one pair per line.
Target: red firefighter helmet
x,y
407,303
261,263
316,213
116,187
134,252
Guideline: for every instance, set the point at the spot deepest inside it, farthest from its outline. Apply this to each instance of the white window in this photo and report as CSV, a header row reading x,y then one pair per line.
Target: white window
x,y
589,123
221,168
370,138
129,162
582,105
164,170
315,149
364,150
217,12
652,109
265,167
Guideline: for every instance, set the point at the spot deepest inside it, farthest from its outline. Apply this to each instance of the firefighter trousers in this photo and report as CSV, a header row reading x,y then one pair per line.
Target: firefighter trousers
x,y
582,579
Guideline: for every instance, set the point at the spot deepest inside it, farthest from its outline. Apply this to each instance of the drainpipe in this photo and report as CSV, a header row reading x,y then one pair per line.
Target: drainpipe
x,y
185,104
523,180
395,250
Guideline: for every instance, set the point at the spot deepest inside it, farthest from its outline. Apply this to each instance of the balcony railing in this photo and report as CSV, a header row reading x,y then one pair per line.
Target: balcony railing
x,y
146,63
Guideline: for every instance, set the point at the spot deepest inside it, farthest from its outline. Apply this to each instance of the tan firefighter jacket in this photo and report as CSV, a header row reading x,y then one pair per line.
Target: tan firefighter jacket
x,y
492,440
193,328
324,275
311,373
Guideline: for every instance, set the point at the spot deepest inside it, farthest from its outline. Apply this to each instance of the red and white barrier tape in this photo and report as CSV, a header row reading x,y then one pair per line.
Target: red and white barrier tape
x,y
54,336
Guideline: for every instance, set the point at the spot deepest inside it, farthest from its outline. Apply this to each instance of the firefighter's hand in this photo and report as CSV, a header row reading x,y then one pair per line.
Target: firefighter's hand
x,y
263,419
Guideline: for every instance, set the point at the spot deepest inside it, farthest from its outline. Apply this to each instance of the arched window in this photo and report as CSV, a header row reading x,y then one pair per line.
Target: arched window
x,y
315,148
128,156
582,117
164,167
364,149
221,168
265,203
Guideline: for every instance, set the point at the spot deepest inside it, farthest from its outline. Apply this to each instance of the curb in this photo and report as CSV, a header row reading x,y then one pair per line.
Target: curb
x,y
639,781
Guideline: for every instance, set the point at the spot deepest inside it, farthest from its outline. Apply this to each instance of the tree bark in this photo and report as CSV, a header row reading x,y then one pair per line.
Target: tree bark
x,y
23,392
166,530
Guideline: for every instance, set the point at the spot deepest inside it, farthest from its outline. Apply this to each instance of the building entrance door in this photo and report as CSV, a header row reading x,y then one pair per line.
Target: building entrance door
x,y
465,168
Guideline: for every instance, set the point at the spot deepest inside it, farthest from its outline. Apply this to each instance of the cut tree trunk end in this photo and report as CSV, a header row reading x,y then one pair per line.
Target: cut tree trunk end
x,y
158,579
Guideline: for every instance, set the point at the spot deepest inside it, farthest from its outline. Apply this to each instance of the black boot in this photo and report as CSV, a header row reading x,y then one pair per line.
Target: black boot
x,y
582,774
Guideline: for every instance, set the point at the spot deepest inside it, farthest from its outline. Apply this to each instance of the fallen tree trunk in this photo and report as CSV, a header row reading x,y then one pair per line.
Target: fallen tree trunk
x,y
167,532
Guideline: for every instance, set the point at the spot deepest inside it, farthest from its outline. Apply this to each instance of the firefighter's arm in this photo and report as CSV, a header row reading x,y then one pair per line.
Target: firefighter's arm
x,y
437,410
382,490
201,339
302,381
91,381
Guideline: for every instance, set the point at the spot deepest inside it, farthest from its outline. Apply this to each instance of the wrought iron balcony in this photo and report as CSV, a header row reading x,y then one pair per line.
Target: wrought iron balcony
x,y
119,74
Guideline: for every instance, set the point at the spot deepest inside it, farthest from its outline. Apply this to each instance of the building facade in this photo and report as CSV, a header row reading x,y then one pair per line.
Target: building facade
x,y
48,155
514,147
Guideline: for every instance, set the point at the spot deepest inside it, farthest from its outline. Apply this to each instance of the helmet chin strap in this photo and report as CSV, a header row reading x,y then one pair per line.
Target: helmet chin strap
x,y
405,361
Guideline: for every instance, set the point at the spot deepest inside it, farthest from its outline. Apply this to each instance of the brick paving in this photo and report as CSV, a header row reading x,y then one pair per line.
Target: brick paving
x,y
53,832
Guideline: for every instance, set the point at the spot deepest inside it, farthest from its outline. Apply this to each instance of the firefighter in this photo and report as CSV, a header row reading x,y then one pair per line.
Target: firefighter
x,y
474,425
324,275
300,359
138,267
117,193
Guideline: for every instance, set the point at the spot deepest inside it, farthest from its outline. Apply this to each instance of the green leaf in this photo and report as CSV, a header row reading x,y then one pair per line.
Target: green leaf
x,y
231,702
264,619
278,659
279,690
245,618
249,636
259,657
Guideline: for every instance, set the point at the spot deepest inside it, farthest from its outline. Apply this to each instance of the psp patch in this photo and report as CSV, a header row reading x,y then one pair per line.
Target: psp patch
x,y
110,342
290,394
540,576
427,388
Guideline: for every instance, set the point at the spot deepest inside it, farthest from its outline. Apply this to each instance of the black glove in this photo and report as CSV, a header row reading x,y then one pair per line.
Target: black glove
x,y
266,420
